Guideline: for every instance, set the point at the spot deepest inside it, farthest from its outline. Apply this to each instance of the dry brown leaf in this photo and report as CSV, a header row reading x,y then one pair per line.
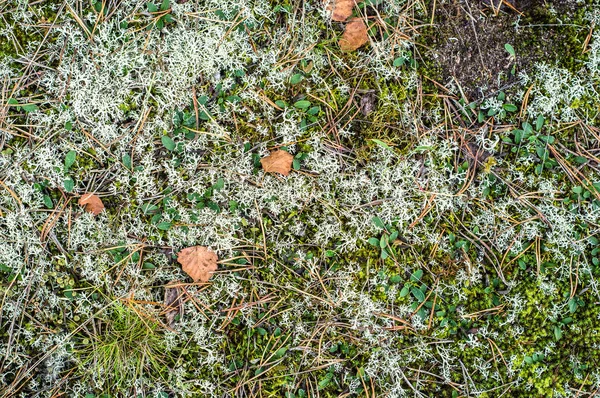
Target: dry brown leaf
x,y
173,302
93,204
278,162
354,36
198,262
341,9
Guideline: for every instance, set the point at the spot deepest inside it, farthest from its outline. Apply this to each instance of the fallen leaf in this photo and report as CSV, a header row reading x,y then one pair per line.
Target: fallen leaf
x,y
341,9
198,262
93,204
355,35
173,302
368,103
278,162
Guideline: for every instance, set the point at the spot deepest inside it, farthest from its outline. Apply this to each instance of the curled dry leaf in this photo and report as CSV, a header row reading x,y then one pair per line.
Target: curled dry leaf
x,y
368,102
198,262
341,9
93,204
278,162
355,35
173,302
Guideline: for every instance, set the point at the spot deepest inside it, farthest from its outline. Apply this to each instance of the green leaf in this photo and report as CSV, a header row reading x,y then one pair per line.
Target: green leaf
x,y
404,292
168,142
127,161
510,107
29,108
219,184
282,104
418,294
480,117
151,7
148,208
48,202
374,242
314,110
280,352
233,98
395,279
68,293
417,275
302,104
378,223
381,143
70,159
383,243
557,333
325,381
12,101
518,136
69,184
539,123
164,226
399,62
547,138
297,78
542,152
572,305
166,4
510,49
148,265
384,254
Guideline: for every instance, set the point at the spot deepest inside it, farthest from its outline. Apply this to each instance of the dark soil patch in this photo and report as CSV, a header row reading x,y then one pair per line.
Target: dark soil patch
x,y
465,47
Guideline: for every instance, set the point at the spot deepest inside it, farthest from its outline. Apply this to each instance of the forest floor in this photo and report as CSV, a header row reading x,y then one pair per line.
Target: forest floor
x,y
262,198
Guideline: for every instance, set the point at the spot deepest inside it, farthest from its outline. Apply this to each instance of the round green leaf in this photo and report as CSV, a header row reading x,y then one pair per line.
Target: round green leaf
x,y
302,104
168,142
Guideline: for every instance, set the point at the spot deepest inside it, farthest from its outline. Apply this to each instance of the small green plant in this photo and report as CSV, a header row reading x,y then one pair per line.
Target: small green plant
x,y
161,15
117,350
390,234
513,57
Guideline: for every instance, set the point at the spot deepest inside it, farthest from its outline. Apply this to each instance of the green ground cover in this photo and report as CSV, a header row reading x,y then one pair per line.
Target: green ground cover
x,y
437,235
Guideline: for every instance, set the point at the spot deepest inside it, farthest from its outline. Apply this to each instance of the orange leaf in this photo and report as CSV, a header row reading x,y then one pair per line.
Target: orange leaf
x,y
354,36
278,162
198,262
341,9
93,204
